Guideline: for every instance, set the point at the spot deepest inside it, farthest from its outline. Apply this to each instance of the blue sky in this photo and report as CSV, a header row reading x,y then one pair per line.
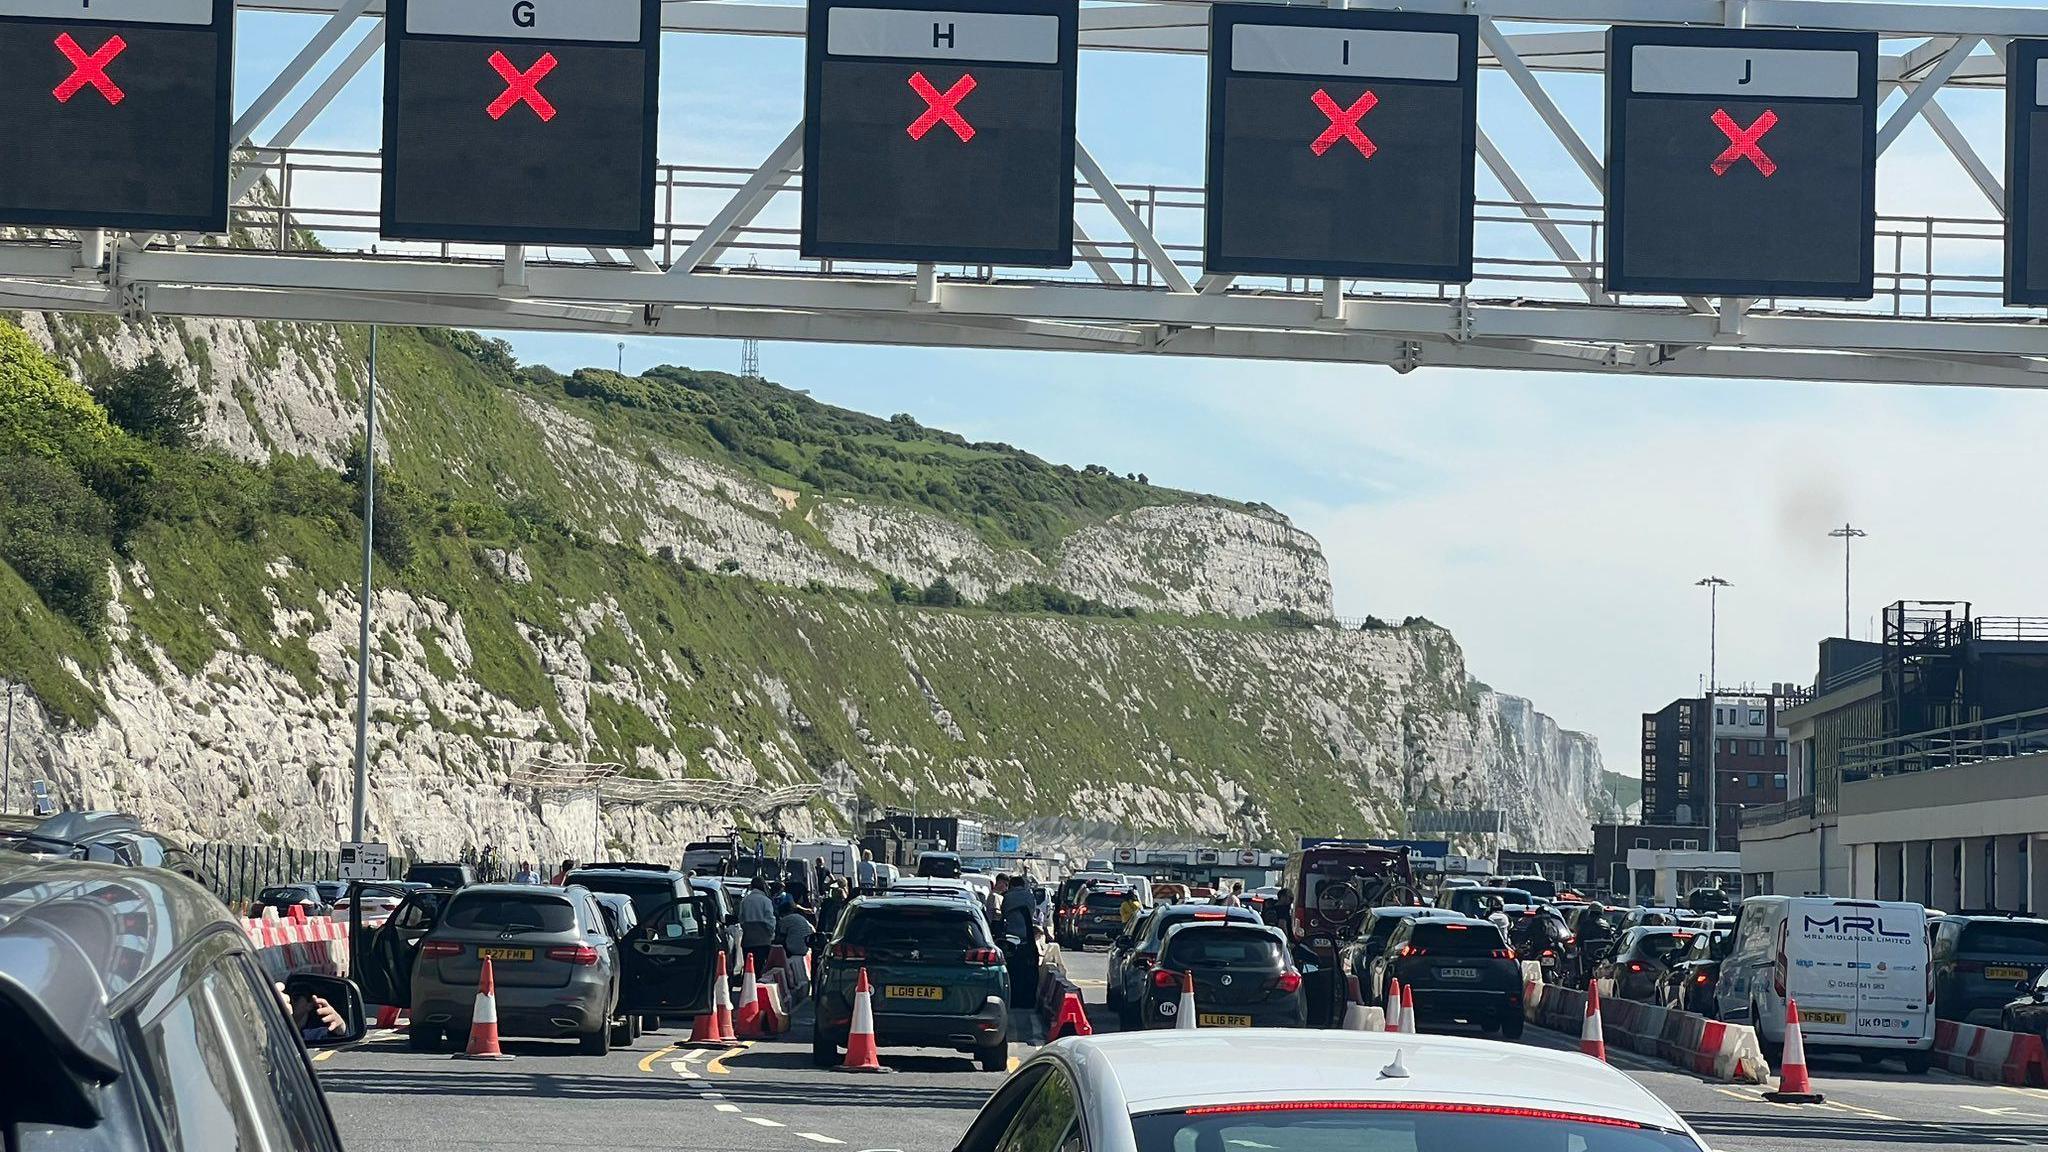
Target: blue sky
x,y
1555,522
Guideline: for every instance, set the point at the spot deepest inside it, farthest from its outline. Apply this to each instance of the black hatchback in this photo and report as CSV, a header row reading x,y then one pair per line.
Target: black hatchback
x,y
1243,977
1458,969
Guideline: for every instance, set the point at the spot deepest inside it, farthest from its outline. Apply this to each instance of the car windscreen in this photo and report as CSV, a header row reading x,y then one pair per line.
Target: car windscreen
x,y
649,895
1537,886
1112,901
1475,901
884,932
2016,938
286,895
1456,939
1665,947
509,912
1228,947
1386,1126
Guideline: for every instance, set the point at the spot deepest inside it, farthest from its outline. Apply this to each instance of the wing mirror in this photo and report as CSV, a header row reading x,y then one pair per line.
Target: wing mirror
x,y
304,990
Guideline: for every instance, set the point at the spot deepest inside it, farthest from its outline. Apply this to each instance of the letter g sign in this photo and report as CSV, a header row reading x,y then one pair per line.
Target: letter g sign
x,y
522,13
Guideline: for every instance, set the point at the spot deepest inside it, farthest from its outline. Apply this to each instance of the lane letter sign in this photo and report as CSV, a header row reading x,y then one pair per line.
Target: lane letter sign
x,y
521,121
117,113
2026,173
942,131
1341,143
1741,162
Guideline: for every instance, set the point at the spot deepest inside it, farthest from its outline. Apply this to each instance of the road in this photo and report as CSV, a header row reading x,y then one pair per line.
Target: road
x,y
768,1098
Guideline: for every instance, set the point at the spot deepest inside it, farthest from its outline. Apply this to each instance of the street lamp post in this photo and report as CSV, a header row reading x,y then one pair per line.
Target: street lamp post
x,y
359,802
1846,533
1713,585
7,752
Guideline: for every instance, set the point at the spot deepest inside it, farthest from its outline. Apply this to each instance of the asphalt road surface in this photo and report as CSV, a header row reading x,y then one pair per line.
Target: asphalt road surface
x,y
768,1098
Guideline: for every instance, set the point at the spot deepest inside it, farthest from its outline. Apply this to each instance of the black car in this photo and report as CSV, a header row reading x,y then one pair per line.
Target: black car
x,y
1132,957
442,875
1458,968
1099,916
1356,957
136,1015
1979,959
1708,900
1474,902
1243,974
1688,985
285,897
1640,960
2029,1013
110,838
943,865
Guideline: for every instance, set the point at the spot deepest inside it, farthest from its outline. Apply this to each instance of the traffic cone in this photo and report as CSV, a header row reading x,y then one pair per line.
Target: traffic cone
x,y
704,1030
721,1001
1408,1023
746,1017
861,1055
1072,1019
1794,1086
1184,1016
387,1016
1355,1018
1593,1038
768,1018
1393,1007
483,1020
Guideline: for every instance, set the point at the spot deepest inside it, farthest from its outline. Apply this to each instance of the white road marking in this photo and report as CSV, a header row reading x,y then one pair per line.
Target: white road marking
x,y
817,1139
727,1107
763,1121
694,1055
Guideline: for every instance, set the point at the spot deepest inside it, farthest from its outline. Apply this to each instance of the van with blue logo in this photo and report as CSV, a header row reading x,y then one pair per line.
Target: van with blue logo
x,y
1858,970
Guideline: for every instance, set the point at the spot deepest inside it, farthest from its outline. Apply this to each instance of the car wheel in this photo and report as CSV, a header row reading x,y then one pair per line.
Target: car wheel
x,y
994,1059
1511,1026
1870,1058
596,1042
824,1053
423,1038
622,1033
1489,1026
1919,1061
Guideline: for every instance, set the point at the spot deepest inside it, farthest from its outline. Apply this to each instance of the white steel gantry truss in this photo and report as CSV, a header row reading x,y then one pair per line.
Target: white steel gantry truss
x,y
725,261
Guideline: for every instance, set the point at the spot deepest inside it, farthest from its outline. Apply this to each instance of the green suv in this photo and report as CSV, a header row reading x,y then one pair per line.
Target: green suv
x,y
937,977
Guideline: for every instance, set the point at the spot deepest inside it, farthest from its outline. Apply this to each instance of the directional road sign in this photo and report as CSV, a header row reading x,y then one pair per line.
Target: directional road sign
x,y
364,860
116,113
521,121
940,130
1340,142
1741,162
2026,172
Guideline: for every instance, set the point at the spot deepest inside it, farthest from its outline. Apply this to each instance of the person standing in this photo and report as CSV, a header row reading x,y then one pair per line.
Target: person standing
x,y
526,874
1018,908
562,877
757,923
864,873
1234,896
793,930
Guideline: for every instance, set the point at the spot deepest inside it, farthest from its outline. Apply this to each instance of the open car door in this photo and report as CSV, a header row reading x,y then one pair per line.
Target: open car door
x,y
381,958
670,959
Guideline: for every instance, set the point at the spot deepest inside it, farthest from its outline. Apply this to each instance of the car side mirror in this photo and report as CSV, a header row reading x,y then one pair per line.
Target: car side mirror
x,y
342,995
1123,941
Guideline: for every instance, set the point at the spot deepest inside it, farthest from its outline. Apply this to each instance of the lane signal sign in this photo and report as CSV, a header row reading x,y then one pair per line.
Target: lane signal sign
x,y
522,87
941,107
1344,121
89,69
1742,142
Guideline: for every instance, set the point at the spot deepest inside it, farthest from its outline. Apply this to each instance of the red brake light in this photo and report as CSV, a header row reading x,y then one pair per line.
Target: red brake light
x,y
1505,953
1700,979
849,952
436,949
580,954
1166,978
1218,915
984,956
1455,928
1411,1106
1635,966
1289,982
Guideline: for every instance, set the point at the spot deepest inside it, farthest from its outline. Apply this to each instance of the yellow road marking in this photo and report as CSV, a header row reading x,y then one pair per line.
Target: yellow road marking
x,y
319,1057
1012,1066
1730,1092
647,1061
718,1065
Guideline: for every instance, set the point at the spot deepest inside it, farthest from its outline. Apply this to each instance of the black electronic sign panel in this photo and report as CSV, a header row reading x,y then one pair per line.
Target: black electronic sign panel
x,y
1341,143
940,130
521,121
116,113
1741,162
2026,171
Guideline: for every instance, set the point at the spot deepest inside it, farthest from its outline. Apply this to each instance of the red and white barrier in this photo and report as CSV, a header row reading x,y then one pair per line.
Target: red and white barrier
x,y
2017,1059
1727,1052
288,946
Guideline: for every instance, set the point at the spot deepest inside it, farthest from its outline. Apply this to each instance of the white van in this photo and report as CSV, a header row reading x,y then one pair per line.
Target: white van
x,y
1858,969
838,856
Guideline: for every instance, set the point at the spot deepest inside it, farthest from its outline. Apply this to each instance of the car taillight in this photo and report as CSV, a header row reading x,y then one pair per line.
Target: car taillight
x,y
437,949
1507,953
1700,979
849,952
582,954
1289,982
1408,950
1634,966
1166,978
984,956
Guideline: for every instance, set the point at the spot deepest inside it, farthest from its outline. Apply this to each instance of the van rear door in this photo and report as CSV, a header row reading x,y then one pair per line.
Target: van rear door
x,y
1891,970
1820,958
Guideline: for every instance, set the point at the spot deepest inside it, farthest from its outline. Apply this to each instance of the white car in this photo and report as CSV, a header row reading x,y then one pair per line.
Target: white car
x,y
1284,1090
377,906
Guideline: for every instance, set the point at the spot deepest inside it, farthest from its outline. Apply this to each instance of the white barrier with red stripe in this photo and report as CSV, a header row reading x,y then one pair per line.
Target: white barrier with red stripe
x,y
2017,1059
287,946
1729,1052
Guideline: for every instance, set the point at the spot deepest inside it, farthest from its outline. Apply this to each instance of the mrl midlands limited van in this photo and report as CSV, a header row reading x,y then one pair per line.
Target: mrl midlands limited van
x,y
1857,968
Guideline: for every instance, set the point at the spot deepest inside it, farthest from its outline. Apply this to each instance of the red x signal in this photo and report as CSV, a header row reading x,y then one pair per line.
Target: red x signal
x,y
89,69
941,107
522,87
1742,142
1344,123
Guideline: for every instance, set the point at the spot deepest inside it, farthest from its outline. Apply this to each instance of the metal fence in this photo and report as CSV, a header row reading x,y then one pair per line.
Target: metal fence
x,y
236,872
1994,738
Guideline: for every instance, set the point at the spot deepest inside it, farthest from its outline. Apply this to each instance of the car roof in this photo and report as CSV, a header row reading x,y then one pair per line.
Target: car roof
x,y
75,936
1170,1070
885,903
518,890
622,872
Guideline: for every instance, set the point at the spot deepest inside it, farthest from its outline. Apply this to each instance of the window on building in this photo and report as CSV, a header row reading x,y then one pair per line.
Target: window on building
x,y
1756,779
1642,841
1756,747
1720,715
1756,717
1684,783
1781,748
1649,725
1686,845
1778,780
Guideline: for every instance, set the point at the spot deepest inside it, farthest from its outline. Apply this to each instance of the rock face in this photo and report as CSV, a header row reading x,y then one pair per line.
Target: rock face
x,y
673,665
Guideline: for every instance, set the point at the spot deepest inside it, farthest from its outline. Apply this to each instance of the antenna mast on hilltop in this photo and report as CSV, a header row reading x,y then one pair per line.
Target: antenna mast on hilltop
x,y
750,358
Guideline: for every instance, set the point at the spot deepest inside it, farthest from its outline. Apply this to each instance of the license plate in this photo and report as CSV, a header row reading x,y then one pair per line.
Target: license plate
x,y
504,953
1458,973
1222,1020
1815,1016
2006,974
913,992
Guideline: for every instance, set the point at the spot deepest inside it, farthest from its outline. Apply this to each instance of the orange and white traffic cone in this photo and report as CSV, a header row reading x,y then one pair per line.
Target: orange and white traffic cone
x,y
1184,1016
1393,1008
1794,1085
721,1001
861,1055
1592,1037
746,1015
483,1020
1355,1017
1408,1022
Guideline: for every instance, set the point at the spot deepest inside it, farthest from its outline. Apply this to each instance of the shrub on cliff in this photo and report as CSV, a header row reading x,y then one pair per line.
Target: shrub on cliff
x,y
150,401
42,412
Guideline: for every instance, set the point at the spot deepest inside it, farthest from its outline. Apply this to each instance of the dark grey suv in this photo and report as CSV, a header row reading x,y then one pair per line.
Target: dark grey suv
x,y
135,1016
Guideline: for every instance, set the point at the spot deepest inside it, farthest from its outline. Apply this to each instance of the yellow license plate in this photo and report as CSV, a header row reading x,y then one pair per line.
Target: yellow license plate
x,y
504,953
1819,1017
1222,1020
2006,973
913,992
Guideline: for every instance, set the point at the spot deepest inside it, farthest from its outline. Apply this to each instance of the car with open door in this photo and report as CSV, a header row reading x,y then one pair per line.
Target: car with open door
x,y
668,961
382,951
